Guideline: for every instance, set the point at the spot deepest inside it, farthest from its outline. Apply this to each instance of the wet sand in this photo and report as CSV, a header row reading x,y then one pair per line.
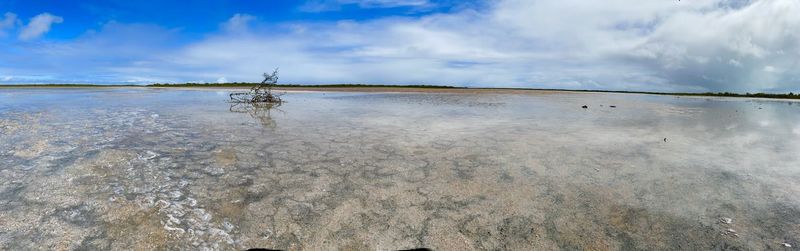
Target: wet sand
x,y
425,90
181,169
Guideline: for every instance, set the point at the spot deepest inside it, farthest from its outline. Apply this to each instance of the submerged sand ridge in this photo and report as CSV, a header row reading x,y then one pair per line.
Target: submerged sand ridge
x,y
175,169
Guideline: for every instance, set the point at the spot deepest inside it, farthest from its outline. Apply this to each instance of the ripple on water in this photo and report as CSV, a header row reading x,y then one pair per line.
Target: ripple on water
x,y
175,169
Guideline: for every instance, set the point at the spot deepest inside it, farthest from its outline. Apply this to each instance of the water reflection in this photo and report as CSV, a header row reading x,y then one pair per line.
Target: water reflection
x,y
261,112
177,169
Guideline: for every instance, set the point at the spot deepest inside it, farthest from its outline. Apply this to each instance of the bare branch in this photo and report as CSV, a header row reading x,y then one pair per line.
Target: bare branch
x,y
261,93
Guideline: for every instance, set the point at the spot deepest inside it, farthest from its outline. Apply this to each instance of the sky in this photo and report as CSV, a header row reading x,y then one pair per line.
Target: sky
x,y
653,45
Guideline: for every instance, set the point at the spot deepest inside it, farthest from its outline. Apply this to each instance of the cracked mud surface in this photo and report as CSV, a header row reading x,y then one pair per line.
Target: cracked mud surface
x,y
152,169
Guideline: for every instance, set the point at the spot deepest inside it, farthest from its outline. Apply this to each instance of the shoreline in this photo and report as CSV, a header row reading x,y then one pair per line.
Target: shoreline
x,y
421,89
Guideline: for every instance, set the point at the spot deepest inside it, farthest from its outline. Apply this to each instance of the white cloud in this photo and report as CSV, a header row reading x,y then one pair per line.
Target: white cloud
x,y
38,26
8,22
620,44
701,45
386,3
617,44
222,80
238,23
771,69
115,53
333,5
689,46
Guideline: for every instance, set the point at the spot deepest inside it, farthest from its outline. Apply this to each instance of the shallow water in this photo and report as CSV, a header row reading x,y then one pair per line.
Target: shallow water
x,y
182,169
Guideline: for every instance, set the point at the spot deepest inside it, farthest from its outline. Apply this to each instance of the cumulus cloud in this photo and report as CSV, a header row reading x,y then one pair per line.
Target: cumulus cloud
x,y
114,53
238,23
38,26
8,22
617,44
702,45
757,41
332,5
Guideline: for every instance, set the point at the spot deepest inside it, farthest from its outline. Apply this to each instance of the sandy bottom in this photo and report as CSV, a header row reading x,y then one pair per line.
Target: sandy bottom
x,y
148,169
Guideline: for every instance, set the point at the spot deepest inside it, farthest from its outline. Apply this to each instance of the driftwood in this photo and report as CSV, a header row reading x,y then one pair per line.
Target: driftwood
x,y
259,101
261,93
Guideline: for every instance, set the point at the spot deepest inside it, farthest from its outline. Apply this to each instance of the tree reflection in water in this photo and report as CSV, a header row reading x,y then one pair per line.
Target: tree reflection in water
x,y
259,111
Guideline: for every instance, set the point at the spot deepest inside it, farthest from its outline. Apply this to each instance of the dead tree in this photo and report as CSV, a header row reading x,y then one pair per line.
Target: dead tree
x,y
261,93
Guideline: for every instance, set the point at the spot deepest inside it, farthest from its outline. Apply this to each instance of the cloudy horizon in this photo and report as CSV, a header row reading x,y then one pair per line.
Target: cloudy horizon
x,y
702,45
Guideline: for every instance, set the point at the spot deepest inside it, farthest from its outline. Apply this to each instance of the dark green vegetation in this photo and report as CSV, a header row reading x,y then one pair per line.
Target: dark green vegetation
x,y
751,95
296,85
790,95
63,86
238,84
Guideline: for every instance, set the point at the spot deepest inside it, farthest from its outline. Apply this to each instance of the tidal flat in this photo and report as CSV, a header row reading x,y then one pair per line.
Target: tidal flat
x,y
157,169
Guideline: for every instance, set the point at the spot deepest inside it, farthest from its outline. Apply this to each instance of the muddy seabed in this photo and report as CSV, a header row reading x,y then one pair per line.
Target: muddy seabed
x,y
180,169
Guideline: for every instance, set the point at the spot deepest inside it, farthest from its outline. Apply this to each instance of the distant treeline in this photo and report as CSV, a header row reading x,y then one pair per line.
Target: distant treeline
x,y
63,85
721,94
239,84
749,95
790,95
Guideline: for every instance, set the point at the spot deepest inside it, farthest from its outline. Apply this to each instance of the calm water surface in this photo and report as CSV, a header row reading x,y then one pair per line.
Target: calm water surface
x,y
182,169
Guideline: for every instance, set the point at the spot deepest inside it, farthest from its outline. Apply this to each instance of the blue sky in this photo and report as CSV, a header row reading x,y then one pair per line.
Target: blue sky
x,y
702,45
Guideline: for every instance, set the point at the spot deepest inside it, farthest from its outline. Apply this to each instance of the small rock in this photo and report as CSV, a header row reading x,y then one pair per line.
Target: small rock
x,y
726,220
266,234
731,232
585,107
665,139
148,155
175,194
613,106
786,245
227,225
